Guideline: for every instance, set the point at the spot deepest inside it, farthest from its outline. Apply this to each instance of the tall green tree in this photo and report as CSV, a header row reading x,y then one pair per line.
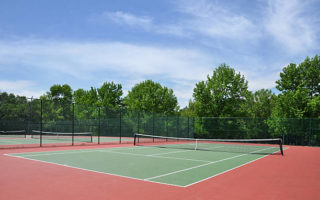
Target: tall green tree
x,y
300,87
60,92
299,98
222,95
13,107
152,97
57,103
108,95
261,103
188,111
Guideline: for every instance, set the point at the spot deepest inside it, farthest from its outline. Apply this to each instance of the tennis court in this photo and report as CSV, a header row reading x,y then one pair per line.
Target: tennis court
x,y
169,164
151,171
20,137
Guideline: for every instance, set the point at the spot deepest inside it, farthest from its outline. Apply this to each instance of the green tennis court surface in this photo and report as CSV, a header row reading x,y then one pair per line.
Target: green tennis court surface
x,y
178,167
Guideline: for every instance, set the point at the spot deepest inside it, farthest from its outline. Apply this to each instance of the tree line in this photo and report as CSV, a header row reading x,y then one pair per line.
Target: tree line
x,y
224,94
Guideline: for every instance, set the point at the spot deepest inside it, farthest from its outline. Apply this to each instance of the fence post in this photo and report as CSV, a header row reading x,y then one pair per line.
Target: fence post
x,y
167,126
72,123
152,123
310,131
41,110
193,126
138,121
120,126
99,124
177,124
188,126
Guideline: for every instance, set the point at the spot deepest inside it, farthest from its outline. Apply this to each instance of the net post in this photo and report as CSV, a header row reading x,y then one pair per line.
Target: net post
x,y
135,139
281,149
196,146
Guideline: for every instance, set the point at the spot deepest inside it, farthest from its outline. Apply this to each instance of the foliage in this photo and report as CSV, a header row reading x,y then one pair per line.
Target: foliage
x,y
13,107
222,95
222,107
262,103
300,87
152,97
109,94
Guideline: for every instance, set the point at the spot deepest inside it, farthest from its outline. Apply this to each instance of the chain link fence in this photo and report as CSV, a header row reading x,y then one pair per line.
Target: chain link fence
x,y
36,122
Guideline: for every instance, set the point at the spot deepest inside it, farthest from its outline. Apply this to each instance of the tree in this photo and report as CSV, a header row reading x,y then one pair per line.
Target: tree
x,y
60,92
152,97
13,107
299,85
299,98
109,94
262,103
314,106
222,95
57,103
188,111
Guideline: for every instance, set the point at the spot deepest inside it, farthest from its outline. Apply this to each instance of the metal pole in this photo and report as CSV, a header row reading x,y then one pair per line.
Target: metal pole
x,y
188,127
72,124
177,126
41,122
193,126
120,125
138,121
99,128
310,131
153,125
167,126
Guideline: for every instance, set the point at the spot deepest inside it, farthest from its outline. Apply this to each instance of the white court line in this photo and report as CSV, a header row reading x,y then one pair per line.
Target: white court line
x,y
156,154
39,153
231,169
117,152
213,162
142,155
89,170
147,180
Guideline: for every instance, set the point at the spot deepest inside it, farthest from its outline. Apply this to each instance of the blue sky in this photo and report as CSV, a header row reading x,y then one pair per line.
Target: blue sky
x,y
176,43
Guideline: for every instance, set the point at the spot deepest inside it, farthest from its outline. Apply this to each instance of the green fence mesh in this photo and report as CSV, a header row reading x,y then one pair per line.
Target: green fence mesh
x,y
110,125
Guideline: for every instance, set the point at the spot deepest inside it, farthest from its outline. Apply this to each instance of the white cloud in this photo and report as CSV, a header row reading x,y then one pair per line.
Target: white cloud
x,y
20,87
80,59
291,23
127,19
145,23
213,20
124,63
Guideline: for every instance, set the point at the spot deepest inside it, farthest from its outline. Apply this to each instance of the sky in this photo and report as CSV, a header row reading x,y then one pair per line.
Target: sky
x,y
176,43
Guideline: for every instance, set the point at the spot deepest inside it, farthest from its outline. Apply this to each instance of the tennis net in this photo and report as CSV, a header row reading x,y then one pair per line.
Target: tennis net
x,y
13,134
246,146
62,137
